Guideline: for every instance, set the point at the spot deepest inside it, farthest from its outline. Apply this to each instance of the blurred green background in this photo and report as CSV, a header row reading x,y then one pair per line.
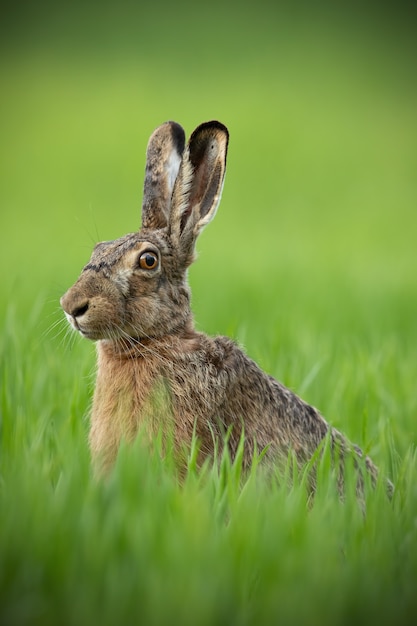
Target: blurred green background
x,y
316,233
310,263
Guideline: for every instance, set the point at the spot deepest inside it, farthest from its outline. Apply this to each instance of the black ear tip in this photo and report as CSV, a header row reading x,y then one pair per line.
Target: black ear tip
x,y
215,124
178,136
210,126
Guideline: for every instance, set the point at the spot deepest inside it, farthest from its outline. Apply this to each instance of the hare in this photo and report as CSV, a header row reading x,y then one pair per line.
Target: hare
x,y
154,370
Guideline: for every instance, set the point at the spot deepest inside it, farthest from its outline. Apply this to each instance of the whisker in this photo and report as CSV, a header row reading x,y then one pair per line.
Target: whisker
x,y
140,346
58,330
62,330
61,322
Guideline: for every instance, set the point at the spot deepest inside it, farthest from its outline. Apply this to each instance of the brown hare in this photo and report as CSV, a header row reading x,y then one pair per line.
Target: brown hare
x,y
134,300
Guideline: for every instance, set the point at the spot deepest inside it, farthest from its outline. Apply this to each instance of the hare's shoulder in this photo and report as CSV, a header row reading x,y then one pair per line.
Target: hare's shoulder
x,y
210,354
218,363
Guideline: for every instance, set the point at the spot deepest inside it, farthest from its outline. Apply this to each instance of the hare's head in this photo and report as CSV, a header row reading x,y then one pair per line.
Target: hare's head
x,y
135,287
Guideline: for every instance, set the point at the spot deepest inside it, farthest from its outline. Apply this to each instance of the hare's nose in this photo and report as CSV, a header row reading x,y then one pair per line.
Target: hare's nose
x,y
80,309
75,307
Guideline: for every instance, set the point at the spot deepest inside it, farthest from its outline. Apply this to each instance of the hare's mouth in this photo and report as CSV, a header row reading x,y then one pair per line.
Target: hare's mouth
x,y
93,334
87,333
98,333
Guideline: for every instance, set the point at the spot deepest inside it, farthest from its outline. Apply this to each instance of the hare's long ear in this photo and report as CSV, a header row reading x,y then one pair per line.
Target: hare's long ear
x,y
198,186
163,159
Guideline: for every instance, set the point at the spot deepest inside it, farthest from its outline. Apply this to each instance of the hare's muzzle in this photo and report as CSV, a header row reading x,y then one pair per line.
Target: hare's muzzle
x,y
75,306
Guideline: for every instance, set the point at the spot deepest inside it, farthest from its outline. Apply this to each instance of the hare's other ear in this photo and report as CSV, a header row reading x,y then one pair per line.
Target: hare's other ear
x,y
199,184
163,159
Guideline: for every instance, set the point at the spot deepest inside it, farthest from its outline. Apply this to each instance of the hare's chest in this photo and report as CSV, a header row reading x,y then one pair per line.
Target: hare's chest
x,y
127,397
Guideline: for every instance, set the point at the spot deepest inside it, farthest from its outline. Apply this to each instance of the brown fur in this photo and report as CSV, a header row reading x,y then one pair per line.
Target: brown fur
x,y
154,370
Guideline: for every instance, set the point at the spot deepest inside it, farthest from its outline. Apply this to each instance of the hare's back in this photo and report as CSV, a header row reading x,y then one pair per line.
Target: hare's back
x,y
220,387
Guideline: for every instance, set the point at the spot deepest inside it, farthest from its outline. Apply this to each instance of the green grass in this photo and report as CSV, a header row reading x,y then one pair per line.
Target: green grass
x,y
218,548
310,264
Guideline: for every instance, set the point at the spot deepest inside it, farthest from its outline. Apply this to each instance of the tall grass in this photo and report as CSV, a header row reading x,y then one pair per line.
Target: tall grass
x,y
310,264
214,547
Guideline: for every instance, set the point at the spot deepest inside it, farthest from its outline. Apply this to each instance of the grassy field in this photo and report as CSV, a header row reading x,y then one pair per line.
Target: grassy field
x,y
310,264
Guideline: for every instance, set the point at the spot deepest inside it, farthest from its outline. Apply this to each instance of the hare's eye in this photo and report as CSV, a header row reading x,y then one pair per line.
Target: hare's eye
x,y
148,260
